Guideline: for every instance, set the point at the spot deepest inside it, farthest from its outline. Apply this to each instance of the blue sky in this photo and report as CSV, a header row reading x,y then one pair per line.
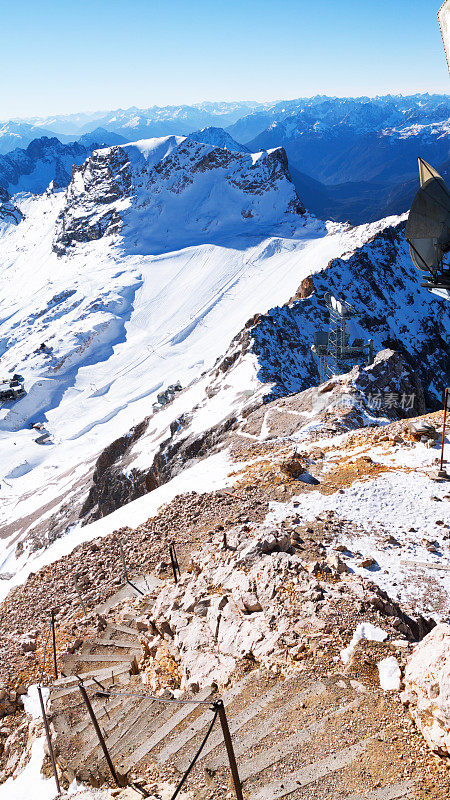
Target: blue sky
x,y
59,56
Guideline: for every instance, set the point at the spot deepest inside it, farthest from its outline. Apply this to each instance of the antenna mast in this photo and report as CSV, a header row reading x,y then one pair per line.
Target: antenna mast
x,y
335,353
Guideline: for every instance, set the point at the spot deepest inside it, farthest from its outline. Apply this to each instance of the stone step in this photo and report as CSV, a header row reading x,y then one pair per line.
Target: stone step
x,y
311,772
86,658
398,791
149,723
114,627
203,720
132,733
153,720
106,676
237,722
102,708
123,716
119,643
246,742
163,731
282,749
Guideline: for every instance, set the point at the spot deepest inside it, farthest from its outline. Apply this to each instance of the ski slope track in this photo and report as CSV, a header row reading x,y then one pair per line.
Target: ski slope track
x,y
137,276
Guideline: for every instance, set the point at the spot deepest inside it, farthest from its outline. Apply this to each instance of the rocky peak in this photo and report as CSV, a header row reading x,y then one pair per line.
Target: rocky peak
x,y
211,188
219,138
45,159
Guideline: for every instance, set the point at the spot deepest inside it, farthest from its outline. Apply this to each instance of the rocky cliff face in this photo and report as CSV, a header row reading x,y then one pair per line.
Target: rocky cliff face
x,y
151,185
382,285
95,187
43,161
388,389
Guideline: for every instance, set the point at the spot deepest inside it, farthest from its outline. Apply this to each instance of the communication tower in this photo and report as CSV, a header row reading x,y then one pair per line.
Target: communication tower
x,y
335,353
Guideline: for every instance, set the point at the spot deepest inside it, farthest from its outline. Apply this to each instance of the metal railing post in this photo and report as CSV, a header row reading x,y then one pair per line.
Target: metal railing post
x,y
78,591
176,559
174,565
54,644
230,751
49,740
127,579
122,555
443,428
85,697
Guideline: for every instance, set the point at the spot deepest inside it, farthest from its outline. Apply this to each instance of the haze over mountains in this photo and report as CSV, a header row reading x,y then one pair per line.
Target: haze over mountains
x,y
350,158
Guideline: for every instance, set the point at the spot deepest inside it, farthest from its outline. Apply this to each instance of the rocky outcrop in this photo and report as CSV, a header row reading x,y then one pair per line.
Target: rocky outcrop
x,y
96,185
251,595
225,608
353,400
112,486
387,389
427,688
8,211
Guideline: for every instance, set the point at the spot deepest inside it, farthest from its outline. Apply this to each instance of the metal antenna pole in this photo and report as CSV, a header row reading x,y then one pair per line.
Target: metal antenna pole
x,y
230,750
54,644
49,740
99,733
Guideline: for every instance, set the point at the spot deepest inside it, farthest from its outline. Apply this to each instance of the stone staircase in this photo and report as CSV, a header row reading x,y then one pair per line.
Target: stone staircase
x,y
298,737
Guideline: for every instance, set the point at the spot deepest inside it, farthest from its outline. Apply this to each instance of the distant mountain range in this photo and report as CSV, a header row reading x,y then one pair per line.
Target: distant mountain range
x,y
131,124
350,158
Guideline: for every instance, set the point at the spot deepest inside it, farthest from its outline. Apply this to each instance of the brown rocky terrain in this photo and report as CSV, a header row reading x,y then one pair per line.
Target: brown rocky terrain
x,y
267,599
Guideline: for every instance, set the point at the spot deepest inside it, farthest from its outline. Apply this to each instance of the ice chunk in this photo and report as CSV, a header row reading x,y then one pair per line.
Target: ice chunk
x,y
365,630
390,674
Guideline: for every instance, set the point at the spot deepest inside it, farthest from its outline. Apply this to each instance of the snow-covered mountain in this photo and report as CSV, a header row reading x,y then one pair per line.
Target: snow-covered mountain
x,y
18,133
383,287
178,119
122,125
351,157
219,138
337,155
100,137
43,161
166,193
135,123
150,270
360,114
358,151
199,239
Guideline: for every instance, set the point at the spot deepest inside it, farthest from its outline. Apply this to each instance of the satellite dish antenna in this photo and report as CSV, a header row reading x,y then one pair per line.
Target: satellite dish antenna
x,y
428,227
444,24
